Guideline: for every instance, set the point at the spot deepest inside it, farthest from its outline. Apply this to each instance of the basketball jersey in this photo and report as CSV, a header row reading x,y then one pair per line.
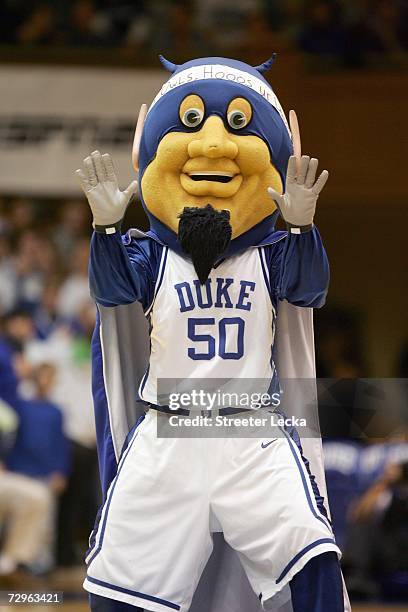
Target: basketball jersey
x,y
223,329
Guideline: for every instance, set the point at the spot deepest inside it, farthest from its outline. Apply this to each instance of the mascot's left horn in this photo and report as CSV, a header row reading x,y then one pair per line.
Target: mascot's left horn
x,y
167,64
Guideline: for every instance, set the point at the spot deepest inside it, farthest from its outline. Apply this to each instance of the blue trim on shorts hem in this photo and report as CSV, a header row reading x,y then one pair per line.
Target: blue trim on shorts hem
x,y
301,553
163,602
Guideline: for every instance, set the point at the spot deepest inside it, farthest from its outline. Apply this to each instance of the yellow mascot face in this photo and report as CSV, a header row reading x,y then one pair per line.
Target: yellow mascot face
x,y
211,165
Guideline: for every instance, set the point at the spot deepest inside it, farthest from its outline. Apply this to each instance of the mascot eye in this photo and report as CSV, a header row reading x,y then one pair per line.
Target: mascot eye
x,y
237,119
192,117
239,113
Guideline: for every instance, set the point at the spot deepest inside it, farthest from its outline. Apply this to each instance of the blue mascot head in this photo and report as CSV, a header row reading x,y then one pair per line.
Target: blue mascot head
x,y
215,138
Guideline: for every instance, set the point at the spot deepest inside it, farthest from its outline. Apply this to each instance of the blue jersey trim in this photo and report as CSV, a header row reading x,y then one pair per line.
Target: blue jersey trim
x,y
316,514
300,555
109,499
158,600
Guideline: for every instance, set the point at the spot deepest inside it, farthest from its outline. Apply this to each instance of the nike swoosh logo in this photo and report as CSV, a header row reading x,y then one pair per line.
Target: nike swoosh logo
x,y
263,445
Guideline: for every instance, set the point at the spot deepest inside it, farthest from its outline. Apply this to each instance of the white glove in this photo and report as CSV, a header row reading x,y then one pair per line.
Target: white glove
x,y
99,183
298,204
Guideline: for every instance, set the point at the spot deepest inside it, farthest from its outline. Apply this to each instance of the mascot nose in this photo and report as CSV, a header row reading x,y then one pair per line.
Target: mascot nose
x,y
213,141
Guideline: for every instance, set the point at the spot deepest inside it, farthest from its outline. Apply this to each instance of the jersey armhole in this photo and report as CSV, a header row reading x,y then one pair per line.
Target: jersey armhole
x,y
159,280
266,275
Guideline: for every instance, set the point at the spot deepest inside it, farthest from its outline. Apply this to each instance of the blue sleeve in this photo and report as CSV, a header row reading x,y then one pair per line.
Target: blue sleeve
x,y
299,269
123,270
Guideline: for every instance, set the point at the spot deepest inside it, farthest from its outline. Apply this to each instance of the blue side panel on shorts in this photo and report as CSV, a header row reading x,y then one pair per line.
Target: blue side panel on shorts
x,y
294,435
106,452
293,438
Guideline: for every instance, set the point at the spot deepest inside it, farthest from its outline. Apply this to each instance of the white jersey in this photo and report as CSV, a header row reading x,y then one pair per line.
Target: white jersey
x,y
223,329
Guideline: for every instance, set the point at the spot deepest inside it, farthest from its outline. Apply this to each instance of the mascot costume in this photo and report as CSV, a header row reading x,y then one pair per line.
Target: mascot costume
x,y
212,291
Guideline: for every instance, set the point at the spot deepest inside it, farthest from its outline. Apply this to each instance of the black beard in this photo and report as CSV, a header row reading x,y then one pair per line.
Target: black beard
x,y
204,235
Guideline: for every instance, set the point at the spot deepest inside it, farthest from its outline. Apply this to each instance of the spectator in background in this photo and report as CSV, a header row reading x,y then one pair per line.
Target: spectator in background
x,y
25,272
22,216
285,20
222,26
39,464
139,27
323,33
28,279
74,291
378,535
126,23
41,449
46,317
39,27
7,274
72,225
69,349
84,27
389,28
362,41
17,331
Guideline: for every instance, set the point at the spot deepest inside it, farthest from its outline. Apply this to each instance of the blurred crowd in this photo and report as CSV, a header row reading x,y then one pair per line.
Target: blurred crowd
x,y
366,476
49,491
368,495
346,32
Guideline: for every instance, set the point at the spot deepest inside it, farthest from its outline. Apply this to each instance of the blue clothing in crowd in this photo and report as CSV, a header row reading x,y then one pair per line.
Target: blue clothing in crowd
x,y
41,447
8,377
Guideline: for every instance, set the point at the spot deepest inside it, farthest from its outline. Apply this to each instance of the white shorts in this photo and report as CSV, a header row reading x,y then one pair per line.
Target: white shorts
x,y
154,535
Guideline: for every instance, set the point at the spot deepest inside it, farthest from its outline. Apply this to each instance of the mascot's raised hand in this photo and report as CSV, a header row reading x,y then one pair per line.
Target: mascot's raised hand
x,y
99,183
298,204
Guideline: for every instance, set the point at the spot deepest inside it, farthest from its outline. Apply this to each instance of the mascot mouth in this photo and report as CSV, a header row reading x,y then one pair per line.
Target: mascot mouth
x,y
219,185
218,177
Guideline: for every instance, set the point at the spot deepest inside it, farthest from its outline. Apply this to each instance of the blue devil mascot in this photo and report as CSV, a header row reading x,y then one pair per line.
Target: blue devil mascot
x,y
211,296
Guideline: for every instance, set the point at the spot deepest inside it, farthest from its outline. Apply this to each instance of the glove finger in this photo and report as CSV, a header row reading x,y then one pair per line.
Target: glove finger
x,y
292,170
320,183
304,165
311,173
109,169
98,165
130,190
90,171
83,180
